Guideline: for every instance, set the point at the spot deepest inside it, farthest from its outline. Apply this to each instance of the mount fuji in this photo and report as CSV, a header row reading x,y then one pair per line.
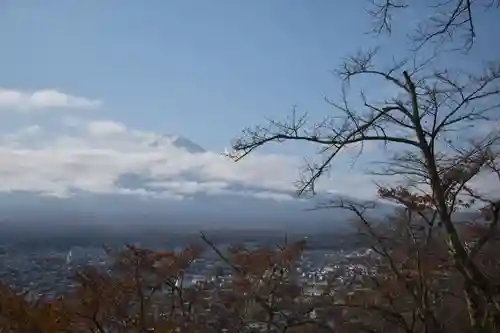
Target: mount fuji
x,y
142,199
179,142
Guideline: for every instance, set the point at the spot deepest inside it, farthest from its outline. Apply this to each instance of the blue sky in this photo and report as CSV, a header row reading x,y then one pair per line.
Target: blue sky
x,y
201,69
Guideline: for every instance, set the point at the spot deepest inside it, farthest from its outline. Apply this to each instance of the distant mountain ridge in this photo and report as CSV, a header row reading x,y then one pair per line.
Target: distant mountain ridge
x,y
201,212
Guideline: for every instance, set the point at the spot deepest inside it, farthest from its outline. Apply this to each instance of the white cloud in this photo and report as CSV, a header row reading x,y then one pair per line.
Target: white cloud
x,y
43,99
105,128
189,187
25,133
97,155
486,185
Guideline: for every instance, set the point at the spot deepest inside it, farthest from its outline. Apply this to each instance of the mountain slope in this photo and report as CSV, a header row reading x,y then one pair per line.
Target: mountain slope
x,y
179,142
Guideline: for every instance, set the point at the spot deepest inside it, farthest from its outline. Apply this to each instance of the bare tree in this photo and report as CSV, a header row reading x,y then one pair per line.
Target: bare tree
x,y
440,133
449,19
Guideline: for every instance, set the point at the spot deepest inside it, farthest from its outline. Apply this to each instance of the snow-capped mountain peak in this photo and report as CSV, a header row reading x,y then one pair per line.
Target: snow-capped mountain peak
x,y
178,142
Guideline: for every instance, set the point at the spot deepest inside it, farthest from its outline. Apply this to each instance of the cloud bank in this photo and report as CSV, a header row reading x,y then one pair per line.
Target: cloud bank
x,y
107,157
16,100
